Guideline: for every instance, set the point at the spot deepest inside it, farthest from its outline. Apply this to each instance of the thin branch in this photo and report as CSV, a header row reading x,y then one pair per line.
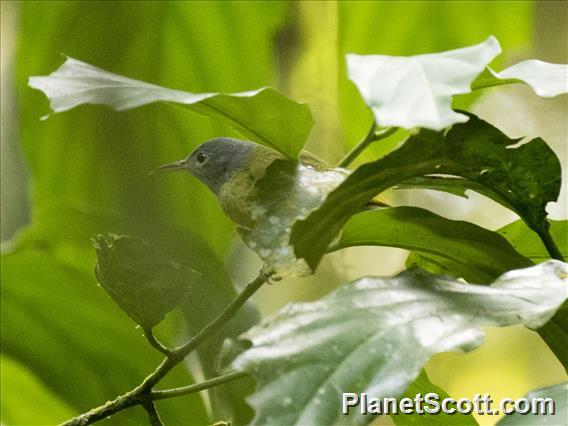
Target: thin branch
x,y
149,334
143,392
198,387
372,136
153,415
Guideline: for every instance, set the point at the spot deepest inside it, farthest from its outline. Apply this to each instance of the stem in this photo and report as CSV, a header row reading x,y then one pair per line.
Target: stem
x,y
550,245
155,342
186,390
179,353
153,415
143,392
371,137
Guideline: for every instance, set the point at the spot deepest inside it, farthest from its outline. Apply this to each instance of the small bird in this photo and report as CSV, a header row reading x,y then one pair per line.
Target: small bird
x,y
231,168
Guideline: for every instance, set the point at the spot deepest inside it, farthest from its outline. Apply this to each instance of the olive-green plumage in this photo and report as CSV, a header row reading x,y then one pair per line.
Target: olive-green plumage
x,y
231,169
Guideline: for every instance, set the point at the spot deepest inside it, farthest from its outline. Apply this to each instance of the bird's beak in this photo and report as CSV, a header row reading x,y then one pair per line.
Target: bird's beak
x,y
170,167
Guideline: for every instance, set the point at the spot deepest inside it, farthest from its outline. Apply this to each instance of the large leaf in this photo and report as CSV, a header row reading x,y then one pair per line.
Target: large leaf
x,y
547,80
264,115
476,253
551,414
375,334
525,242
370,27
417,91
59,325
524,178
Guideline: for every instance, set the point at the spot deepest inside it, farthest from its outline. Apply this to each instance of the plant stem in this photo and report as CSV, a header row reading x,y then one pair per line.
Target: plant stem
x,y
155,342
179,353
143,392
372,136
153,415
186,390
550,245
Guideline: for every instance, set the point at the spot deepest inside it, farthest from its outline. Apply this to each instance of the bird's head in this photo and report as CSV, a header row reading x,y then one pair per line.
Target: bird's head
x,y
215,161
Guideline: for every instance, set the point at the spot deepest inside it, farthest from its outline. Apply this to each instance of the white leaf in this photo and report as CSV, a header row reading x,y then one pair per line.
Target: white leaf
x,y
547,80
263,115
416,91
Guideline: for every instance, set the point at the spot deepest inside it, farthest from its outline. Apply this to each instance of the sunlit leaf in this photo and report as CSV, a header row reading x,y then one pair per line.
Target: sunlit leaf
x,y
557,411
288,192
417,91
522,178
475,253
547,80
375,334
263,115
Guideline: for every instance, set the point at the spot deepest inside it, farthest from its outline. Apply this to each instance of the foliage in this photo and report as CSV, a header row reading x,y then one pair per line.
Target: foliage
x,y
372,335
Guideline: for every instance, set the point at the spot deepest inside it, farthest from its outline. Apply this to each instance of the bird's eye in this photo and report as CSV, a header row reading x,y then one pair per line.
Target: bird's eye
x,y
201,158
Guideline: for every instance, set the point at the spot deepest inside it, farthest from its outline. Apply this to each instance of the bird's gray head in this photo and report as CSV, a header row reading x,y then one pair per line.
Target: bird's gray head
x,y
215,161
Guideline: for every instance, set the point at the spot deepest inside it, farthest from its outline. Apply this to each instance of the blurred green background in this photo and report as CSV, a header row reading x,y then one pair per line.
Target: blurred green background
x,y
65,346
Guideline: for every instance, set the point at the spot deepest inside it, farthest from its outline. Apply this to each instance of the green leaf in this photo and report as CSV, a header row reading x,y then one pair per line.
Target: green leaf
x,y
265,115
525,242
23,393
60,326
422,385
524,178
375,334
142,282
475,252
529,245
559,395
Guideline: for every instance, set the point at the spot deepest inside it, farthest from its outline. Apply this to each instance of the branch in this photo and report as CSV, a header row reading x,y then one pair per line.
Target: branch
x,y
186,390
143,393
153,415
550,245
371,137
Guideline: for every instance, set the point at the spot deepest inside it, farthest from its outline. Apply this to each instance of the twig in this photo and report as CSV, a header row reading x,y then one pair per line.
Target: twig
x,y
372,136
153,415
149,334
186,390
143,392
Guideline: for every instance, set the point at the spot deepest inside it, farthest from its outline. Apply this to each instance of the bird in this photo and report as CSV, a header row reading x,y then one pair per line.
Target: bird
x,y
231,169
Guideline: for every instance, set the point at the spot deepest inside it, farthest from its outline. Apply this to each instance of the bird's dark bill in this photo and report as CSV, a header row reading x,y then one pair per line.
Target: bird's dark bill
x,y
172,167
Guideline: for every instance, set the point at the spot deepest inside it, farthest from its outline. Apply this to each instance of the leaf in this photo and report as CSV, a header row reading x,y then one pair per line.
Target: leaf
x,y
22,393
546,79
289,191
375,334
57,323
523,178
476,253
263,115
559,395
529,245
417,91
142,282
